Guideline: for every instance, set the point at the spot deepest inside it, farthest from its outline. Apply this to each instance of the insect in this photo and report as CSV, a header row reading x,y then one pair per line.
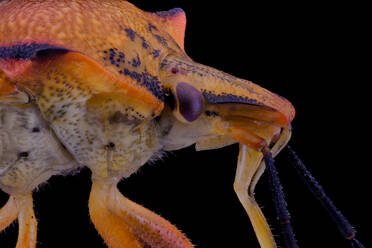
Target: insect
x,y
111,104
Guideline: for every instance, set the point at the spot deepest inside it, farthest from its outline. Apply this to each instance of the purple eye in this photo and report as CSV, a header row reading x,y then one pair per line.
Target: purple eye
x,y
190,101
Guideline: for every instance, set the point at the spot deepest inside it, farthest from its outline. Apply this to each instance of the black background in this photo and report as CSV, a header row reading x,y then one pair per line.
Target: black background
x,y
311,54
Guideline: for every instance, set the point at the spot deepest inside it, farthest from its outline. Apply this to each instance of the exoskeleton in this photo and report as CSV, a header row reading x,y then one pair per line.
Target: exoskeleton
x,y
105,85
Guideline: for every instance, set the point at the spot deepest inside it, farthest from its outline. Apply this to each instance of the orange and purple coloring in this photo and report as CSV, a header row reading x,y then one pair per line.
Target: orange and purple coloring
x,y
105,85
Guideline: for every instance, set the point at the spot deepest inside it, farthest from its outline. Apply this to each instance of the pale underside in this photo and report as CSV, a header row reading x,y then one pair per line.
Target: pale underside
x,y
96,92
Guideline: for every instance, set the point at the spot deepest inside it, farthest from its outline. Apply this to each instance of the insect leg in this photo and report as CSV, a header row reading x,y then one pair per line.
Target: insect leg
x,y
248,164
111,228
8,213
123,223
345,228
27,223
21,207
249,170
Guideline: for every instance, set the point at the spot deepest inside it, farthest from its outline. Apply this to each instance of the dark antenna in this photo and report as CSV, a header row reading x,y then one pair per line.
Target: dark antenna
x,y
279,201
345,228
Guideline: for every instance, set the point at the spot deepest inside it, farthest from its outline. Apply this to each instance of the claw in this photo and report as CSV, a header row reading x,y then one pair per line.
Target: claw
x,y
123,223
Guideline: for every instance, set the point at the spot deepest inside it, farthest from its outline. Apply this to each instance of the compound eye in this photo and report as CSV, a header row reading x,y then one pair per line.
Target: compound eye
x,y
189,102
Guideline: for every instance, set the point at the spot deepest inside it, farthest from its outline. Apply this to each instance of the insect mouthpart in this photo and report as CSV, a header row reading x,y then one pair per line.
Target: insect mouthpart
x,y
105,85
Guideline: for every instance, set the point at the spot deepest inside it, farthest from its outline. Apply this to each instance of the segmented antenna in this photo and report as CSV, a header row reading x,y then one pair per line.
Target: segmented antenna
x,y
279,201
343,225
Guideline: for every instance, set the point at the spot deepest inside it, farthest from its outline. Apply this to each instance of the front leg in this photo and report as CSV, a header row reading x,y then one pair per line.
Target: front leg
x,y
249,170
248,166
21,207
8,213
123,223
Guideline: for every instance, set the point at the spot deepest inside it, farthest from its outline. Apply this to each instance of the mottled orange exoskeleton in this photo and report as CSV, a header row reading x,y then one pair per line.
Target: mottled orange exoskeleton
x,y
105,85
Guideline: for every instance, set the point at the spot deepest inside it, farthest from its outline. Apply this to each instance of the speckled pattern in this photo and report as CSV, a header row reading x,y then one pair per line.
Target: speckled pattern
x,y
126,42
91,27
87,115
120,58
25,159
24,51
108,86
217,86
129,67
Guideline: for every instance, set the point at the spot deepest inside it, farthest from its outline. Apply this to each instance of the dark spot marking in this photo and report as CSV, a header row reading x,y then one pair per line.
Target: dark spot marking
x,y
144,42
110,145
190,101
116,58
161,40
145,45
50,52
174,70
156,53
153,84
136,62
212,98
147,80
36,130
201,71
152,27
131,34
61,113
119,117
23,154
134,75
211,113
164,63
28,51
169,13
